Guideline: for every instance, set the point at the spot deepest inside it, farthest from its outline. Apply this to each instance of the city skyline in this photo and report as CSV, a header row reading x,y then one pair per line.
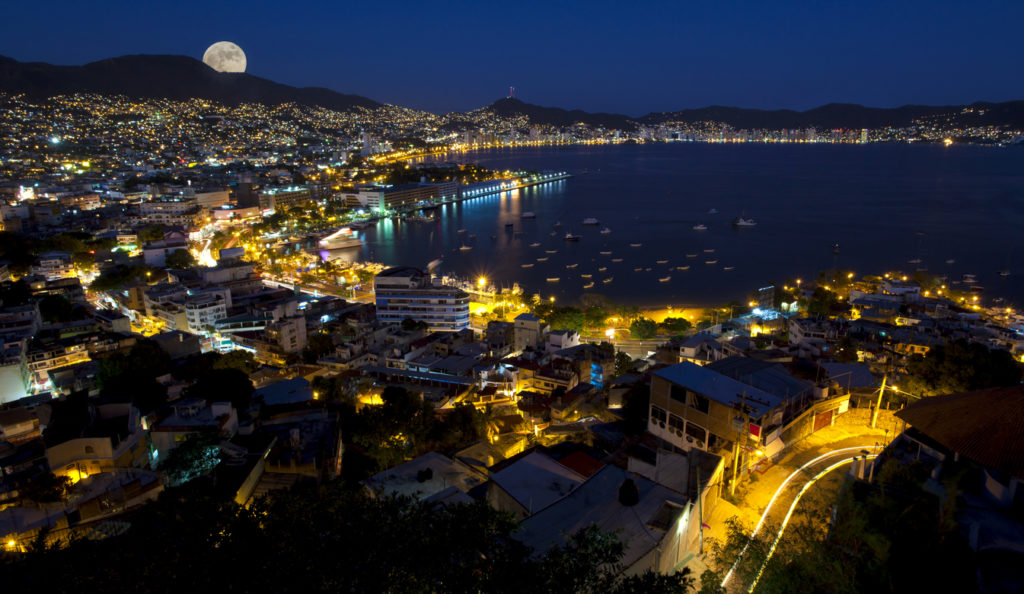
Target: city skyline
x,y
593,59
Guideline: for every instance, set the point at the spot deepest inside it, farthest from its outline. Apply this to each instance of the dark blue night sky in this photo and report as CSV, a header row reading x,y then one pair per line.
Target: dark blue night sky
x,y
596,55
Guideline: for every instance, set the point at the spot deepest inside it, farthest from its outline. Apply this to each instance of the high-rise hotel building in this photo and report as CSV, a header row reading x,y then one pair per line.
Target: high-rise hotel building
x,y
406,292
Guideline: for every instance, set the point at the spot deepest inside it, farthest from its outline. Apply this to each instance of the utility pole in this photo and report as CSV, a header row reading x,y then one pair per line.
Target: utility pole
x,y
878,405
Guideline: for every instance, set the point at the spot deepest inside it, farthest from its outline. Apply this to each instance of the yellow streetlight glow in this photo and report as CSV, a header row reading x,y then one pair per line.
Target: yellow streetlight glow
x,y
610,333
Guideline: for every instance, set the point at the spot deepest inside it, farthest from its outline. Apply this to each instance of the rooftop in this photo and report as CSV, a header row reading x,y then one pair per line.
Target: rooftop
x,y
719,387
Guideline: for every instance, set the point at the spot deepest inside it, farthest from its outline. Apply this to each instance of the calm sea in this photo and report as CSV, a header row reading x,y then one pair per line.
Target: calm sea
x,y
884,205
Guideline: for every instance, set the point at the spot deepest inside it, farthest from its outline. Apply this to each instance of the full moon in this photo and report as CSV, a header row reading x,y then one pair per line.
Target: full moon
x,y
225,56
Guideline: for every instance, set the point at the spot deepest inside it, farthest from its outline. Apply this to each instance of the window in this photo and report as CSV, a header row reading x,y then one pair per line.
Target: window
x,y
697,432
698,402
89,450
658,415
675,424
678,393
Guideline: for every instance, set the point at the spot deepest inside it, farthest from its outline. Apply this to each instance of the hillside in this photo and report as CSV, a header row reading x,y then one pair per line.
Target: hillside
x,y
168,77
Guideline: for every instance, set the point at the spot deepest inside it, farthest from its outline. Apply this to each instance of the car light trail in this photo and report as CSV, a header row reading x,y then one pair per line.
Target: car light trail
x,y
792,508
764,516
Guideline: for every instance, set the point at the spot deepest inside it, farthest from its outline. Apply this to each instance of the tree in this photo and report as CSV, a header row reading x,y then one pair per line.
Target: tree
x,y
56,308
960,366
846,350
623,363
241,360
675,326
223,385
196,456
151,233
643,328
595,316
317,346
47,488
411,325
180,259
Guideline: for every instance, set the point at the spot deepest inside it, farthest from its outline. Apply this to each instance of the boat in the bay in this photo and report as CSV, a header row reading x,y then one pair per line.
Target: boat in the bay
x,y
602,269
558,223
530,265
544,259
571,265
951,261
586,275
664,279
616,260
1004,273
682,267
553,279
636,245
661,261
728,268
608,280
591,221
605,253
691,255
606,231
528,215
341,239
711,261
969,279
465,248
570,237
589,285
743,222
713,211
700,227
461,231
709,251
638,270
535,244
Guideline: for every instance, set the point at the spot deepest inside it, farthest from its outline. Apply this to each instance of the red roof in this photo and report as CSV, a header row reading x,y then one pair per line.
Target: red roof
x,y
987,426
582,463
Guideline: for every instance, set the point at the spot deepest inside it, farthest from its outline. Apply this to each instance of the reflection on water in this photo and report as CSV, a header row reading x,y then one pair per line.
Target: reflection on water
x,y
883,204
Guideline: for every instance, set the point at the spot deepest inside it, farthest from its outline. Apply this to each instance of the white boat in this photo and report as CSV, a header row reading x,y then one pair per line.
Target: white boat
x,y
682,267
1004,273
461,231
606,231
951,261
589,285
553,279
914,261
709,251
636,245
535,244
661,261
638,270
544,259
616,260
465,248
969,279
664,279
571,265
711,261
700,227
608,280
648,269
728,268
341,239
586,276
570,237
528,215
550,251
602,269
591,221
558,223
530,265
743,222
691,255
605,253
